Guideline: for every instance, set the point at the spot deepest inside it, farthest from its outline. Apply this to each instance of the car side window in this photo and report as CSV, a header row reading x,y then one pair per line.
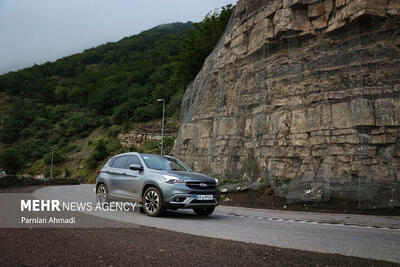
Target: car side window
x,y
175,166
132,160
120,162
111,162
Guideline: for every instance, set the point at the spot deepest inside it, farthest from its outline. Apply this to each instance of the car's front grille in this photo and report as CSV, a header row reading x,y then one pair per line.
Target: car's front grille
x,y
211,192
201,185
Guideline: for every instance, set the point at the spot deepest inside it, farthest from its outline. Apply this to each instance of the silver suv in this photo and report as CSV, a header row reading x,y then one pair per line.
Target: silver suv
x,y
158,183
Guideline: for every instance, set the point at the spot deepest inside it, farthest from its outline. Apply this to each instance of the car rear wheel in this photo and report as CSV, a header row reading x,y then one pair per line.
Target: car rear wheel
x,y
152,202
102,194
204,211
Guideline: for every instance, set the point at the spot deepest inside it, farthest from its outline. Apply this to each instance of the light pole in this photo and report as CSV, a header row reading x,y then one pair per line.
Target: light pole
x,y
52,159
162,124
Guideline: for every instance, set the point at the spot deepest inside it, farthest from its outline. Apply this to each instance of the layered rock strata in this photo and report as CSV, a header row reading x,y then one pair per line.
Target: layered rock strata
x,y
299,90
139,139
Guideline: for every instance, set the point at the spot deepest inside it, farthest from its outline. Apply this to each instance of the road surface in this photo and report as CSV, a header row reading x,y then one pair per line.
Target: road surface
x,y
375,237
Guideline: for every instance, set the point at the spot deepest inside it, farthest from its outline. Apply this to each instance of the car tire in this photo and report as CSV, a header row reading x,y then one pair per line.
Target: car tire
x,y
102,194
204,211
152,202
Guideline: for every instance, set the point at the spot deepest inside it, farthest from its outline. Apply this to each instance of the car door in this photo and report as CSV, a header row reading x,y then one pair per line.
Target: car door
x,y
132,180
117,174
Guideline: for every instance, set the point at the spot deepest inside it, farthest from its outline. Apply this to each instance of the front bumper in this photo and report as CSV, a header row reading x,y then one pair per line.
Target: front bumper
x,y
182,196
187,201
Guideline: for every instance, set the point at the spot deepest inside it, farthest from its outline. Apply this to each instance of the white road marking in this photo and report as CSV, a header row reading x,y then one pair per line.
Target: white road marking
x,y
308,222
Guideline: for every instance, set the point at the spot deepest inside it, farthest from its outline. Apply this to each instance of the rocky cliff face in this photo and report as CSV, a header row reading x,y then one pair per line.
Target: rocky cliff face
x,y
299,89
139,139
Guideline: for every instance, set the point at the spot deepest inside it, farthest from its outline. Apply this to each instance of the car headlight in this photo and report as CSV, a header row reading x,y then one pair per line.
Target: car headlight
x,y
172,179
216,181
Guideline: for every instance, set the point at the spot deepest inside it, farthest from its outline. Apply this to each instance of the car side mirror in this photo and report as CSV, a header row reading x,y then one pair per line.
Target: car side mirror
x,y
136,167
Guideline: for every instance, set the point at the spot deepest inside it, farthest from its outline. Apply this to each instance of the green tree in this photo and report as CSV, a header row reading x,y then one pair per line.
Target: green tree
x,y
11,160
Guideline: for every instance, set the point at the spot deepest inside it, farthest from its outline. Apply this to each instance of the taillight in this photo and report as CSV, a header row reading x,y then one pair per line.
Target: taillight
x,y
99,171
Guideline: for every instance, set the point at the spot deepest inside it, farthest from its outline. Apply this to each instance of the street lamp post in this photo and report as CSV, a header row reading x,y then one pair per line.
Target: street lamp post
x,y
52,159
162,124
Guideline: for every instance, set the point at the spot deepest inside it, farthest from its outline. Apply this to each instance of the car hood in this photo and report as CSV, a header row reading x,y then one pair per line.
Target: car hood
x,y
188,176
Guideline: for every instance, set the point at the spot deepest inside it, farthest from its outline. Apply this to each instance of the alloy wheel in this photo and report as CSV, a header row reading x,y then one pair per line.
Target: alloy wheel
x,y
151,201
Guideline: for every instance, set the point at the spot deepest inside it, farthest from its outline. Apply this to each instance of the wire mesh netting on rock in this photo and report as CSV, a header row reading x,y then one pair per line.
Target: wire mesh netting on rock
x,y
367,195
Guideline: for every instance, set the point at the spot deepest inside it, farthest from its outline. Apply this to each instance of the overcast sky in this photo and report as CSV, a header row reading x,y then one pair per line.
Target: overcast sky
x,y
36,31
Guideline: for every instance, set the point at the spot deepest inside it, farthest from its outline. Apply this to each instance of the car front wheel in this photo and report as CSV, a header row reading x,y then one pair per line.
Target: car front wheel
x,y
203,211
152,202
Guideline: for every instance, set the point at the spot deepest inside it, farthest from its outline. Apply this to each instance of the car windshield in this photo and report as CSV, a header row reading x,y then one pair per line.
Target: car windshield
x,y
157,162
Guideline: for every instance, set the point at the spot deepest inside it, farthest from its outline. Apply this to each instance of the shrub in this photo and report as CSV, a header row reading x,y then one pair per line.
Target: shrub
x,y
223,180
100,151
11,160
113,131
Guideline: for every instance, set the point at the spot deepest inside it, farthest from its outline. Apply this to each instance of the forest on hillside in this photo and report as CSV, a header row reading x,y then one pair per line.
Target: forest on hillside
x,y
111,87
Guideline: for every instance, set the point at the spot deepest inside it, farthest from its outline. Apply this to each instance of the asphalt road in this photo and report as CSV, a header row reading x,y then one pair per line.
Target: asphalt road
x,y
375,237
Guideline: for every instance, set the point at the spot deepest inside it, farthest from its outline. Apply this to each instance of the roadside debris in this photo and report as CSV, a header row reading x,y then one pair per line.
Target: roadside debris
x,y
314,193
242,189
